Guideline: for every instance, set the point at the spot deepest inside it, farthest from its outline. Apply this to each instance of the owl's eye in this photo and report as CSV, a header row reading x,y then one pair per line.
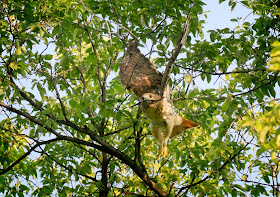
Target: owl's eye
x,y
150,96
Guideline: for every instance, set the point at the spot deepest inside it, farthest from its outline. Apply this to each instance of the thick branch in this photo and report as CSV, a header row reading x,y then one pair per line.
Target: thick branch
x,y
124,158
138,134
29,117
182,38
103,146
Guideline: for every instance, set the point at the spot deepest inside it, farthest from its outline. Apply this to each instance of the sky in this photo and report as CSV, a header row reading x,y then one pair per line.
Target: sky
x,y
220,15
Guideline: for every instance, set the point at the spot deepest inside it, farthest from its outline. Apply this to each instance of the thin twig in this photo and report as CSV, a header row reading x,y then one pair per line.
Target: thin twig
x,y
108,20
118,130
3,171
213,172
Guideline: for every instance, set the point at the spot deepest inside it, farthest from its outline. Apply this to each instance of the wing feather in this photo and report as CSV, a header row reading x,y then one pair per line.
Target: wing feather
x,y
137,73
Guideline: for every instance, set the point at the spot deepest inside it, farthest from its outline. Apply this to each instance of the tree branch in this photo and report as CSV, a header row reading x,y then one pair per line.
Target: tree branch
x,y
264,84
59,99
67,167
3,171
37,106
274,186
234,95
118,130
213,172
182,38
29,117
138,134
223,73
103,146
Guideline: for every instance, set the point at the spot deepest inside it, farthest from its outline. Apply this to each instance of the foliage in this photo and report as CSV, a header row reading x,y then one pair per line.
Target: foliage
x,y
69,128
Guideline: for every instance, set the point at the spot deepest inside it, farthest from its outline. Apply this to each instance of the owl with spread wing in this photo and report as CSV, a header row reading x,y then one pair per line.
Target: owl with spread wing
x,y
139,75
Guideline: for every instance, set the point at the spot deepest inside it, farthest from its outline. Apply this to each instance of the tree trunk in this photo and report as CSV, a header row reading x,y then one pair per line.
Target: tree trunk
x,y
104,179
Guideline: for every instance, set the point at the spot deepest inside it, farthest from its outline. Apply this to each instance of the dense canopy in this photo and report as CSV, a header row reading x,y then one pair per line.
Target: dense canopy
x,y
70,128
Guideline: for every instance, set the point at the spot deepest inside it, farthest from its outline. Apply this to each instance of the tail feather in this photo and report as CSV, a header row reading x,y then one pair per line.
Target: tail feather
x,y
182,126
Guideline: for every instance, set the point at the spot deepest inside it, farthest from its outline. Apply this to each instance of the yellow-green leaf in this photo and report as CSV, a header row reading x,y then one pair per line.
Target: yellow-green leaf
x,y
18,51
274,67
188,78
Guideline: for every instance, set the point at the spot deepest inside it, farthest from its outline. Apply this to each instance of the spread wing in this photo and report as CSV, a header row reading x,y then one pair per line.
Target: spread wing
x,y
137,73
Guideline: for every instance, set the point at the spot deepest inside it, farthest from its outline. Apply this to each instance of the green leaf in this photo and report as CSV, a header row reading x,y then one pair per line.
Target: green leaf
x,y
188,78
213,36
233,4
72,103
6,145
74,33
234,193
272,90
226,105
266,179
48,57
41,90
80,47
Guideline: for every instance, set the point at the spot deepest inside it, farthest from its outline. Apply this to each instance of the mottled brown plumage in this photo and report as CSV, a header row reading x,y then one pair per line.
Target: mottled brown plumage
x,y
137,73
140,76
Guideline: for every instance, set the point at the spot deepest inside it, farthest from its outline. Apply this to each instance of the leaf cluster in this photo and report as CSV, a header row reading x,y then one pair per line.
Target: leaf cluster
x,y
69,128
